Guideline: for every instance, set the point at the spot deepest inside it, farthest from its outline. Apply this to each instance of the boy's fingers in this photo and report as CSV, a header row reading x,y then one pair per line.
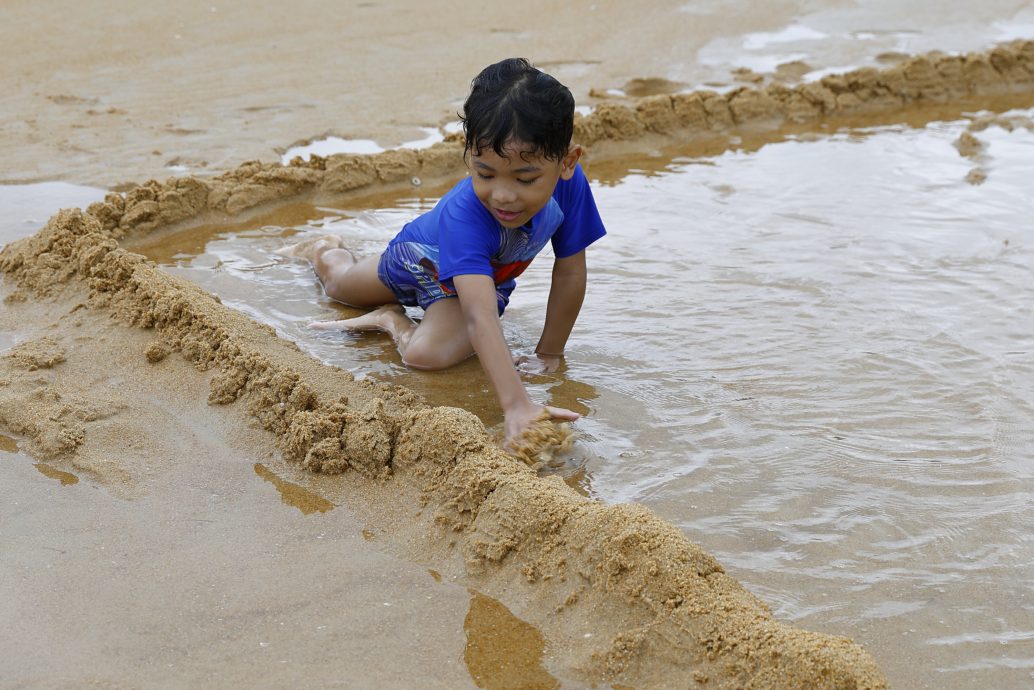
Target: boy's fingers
x,y
561,413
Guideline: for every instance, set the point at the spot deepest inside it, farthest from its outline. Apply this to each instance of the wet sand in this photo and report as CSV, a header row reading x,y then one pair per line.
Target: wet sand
x,y
229,568
427,479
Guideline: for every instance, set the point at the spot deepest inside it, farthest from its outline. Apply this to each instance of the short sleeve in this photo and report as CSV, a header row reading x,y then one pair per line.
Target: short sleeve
x,y
467,236
582,223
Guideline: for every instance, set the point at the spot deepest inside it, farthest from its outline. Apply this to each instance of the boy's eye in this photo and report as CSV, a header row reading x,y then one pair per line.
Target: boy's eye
x,y
483,176
531,181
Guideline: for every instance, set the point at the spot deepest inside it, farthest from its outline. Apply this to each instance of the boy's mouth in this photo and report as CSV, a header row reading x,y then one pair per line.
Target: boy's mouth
x,y
506,216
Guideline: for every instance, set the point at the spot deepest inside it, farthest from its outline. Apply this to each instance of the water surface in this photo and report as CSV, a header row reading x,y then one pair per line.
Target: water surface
x,y
814,356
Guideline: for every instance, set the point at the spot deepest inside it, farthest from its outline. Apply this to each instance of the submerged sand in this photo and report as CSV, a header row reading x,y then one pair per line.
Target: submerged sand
x,y
620,596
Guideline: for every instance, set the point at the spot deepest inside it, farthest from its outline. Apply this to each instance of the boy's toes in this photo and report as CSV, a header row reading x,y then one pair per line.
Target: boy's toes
x,y
303,249
291,251
327,325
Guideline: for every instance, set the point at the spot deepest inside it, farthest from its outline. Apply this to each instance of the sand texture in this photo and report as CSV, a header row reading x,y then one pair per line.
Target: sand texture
x,y
660,612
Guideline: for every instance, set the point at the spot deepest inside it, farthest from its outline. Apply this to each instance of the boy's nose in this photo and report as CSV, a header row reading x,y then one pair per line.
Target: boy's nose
x,y
503,195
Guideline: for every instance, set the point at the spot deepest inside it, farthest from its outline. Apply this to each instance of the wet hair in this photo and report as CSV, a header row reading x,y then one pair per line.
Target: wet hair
x,y
513,101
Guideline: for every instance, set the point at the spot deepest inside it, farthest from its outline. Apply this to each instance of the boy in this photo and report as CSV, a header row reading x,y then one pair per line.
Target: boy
x,y
459,260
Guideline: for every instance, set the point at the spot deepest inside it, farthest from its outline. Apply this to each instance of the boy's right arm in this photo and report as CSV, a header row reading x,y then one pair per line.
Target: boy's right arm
x,y
480,311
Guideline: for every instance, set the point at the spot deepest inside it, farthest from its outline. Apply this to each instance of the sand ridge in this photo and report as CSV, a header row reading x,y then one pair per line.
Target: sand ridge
x,y
921,80
934,78
662,611
672,612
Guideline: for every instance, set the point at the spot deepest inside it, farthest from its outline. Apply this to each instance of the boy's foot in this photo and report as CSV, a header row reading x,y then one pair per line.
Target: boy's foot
x,y
312,247
380,319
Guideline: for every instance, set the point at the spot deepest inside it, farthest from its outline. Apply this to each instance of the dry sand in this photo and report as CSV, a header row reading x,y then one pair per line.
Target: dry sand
x,y
116,359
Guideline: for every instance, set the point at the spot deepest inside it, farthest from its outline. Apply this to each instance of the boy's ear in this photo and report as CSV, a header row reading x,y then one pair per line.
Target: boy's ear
x,y
569,161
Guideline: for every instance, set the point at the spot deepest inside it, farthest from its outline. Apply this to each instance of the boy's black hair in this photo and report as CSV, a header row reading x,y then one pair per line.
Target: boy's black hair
x,y
513,101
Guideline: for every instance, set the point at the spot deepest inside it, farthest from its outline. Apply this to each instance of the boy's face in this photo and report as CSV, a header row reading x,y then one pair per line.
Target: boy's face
x,y
516,187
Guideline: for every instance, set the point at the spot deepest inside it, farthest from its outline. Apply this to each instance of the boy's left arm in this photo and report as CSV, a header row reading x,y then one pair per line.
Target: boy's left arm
x,y
566,292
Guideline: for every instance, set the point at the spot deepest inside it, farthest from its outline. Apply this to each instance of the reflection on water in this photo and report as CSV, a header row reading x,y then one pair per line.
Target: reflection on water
x,y
814,355
503,652
294,495
66,478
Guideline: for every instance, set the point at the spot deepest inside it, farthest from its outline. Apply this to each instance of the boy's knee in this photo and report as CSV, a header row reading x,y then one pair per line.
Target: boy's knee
x,y
421,355
424,358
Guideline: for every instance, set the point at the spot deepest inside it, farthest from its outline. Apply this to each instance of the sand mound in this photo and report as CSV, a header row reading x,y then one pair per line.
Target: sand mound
x,y
659,610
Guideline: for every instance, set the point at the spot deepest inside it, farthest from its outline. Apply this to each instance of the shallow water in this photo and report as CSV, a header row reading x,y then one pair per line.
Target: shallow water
x,y
26,207
815,357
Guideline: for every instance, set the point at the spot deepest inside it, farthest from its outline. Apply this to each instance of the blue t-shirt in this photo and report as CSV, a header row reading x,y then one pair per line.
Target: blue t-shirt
x,y
459,236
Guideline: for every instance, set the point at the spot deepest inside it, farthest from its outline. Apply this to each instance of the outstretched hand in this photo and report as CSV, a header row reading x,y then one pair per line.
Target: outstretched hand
x,y
518,420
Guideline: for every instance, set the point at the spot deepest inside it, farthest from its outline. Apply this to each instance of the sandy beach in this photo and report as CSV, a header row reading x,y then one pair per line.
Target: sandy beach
x,y
193,499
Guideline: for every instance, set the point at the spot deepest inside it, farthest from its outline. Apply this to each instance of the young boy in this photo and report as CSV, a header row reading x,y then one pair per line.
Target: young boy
x,y
459,260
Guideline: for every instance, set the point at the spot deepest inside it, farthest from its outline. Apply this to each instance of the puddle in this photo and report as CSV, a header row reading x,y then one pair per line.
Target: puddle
x,y
814,355
25,208
66,478
8,444
794,33
294,495
502,651
332,145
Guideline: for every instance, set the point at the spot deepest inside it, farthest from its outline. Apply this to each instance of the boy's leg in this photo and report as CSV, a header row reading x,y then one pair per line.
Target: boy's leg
x,y
439,341
352,282
345,279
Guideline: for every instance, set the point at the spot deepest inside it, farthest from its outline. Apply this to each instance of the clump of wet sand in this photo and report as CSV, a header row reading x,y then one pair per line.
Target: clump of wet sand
x,y
662,611
541,442
970,146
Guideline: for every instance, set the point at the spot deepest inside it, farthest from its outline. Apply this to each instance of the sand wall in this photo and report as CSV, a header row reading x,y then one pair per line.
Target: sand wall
x,y
659,607
661,611
919,81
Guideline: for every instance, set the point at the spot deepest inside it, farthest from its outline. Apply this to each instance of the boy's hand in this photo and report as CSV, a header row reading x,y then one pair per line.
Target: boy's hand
x,y
539,364
518,419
